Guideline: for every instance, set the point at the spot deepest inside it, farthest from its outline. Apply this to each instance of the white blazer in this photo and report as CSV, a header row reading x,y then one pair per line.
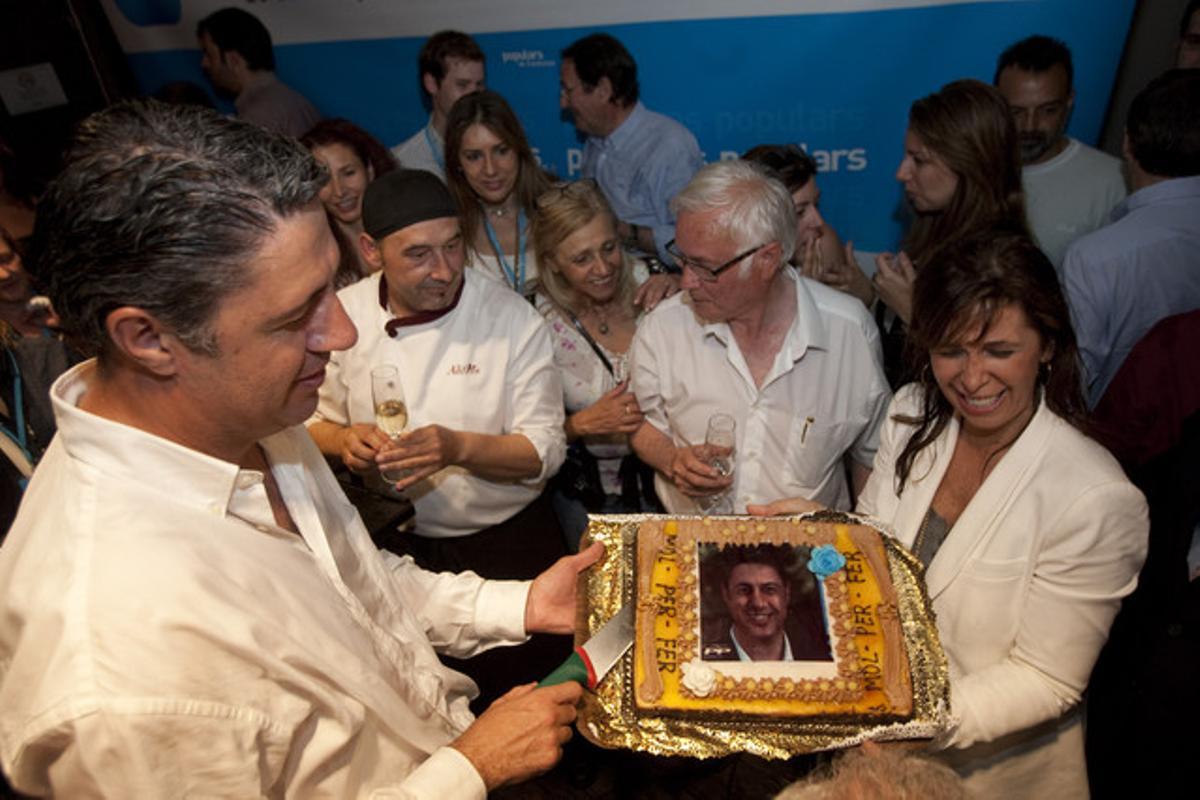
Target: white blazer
x,y
1025,588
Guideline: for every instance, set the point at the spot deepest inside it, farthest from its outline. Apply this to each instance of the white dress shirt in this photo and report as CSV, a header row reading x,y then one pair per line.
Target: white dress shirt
x,y
825,395
160,636
485,367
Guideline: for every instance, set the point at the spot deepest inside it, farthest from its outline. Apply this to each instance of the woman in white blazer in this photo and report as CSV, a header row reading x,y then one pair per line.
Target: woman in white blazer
x,y
1029,530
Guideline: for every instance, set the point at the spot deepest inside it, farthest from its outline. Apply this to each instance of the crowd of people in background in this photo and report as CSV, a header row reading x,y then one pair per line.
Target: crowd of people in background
x,y
318,592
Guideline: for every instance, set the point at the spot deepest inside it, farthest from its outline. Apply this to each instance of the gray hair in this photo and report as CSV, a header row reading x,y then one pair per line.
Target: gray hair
x,y
161,207
753,207
883,773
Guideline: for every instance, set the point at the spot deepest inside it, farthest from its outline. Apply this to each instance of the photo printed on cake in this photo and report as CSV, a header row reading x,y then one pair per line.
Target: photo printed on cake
x,y
760,603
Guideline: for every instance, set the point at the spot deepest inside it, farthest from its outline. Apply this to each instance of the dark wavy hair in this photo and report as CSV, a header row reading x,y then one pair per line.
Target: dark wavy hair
x,y
489,109
162,207
971,282
967,124
370,151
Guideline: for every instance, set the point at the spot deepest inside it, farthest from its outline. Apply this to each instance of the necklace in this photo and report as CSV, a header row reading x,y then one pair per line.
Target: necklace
x,y
601,320
502,209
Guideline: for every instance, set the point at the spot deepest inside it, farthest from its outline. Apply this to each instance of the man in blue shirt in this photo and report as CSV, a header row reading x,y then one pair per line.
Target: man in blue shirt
x,y
640,159
1122,279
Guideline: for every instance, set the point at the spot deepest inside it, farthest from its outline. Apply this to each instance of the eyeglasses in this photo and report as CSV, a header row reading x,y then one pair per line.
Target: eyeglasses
x,y
573,190
707,274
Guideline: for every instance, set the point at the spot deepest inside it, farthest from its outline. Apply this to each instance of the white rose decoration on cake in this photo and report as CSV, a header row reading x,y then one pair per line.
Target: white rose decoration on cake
x,y
698,677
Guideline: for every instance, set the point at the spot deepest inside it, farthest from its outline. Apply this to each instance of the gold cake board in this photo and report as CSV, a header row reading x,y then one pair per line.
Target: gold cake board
x,y
610,718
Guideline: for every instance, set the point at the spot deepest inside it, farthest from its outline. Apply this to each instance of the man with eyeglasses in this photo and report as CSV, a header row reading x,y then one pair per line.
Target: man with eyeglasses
x,y
797,364
639,158
484,404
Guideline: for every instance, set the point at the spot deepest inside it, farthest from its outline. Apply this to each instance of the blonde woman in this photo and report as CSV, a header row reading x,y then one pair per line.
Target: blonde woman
x,y
589,296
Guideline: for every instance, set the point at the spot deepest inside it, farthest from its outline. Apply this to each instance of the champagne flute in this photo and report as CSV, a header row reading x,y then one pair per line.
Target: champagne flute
x,y
391,412
719,441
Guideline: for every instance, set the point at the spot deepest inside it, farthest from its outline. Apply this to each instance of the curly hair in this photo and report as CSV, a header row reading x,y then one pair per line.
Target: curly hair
x,y
370,151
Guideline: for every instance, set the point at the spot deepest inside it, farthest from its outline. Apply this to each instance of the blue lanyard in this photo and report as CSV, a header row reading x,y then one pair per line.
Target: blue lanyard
x,y
437,151
517,278
20,436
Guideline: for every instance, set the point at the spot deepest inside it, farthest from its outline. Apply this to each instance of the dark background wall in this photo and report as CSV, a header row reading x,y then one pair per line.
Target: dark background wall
x,y
1149,49
75,38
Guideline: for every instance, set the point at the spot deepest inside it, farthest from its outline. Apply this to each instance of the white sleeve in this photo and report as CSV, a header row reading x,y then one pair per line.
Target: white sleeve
x,y
877,396
534,387
461,613
1088,561
645,377
878,498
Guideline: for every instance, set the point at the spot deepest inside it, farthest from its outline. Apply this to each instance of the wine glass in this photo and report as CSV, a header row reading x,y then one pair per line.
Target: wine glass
x,y
719,441
391,412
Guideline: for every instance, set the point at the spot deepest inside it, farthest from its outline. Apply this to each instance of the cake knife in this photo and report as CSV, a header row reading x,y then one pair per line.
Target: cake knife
x,y
592,660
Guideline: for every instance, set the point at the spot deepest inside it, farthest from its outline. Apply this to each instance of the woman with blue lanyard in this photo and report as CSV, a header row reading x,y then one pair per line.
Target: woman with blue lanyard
x,y
495,181
33,357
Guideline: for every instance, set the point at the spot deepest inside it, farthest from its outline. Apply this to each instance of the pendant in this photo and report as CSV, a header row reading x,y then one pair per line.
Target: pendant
x,y
604,329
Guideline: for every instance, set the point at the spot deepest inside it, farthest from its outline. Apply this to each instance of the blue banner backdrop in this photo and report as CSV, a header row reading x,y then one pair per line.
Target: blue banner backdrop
x,y
835,76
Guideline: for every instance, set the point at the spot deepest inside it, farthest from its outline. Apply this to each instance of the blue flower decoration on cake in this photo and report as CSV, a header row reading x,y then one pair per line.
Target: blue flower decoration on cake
x,y
825,560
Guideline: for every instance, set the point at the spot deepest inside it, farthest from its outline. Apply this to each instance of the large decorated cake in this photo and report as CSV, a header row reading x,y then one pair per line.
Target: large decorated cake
x,y
780,618
770,636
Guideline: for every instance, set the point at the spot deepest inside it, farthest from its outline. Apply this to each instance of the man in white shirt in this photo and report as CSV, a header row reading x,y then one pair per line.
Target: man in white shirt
x,y
451,65
237,56
796,363
485,413
188,604
1070,188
